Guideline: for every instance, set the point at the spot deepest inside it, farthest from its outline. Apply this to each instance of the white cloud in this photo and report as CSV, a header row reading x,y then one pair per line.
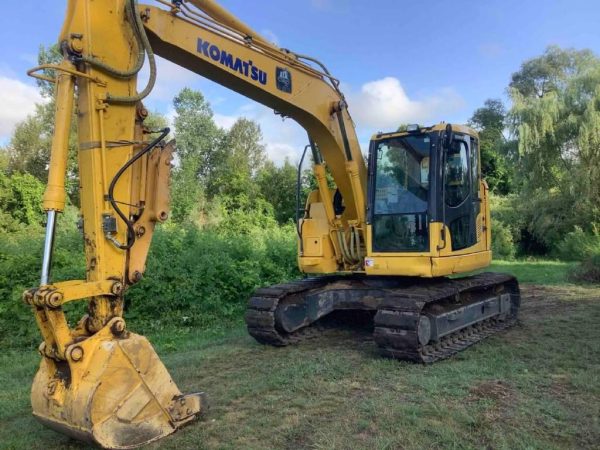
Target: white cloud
x,y
382,105
379,105
18,101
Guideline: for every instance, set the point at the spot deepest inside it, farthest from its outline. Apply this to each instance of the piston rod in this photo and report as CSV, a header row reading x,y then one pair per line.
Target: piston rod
x,y
48,246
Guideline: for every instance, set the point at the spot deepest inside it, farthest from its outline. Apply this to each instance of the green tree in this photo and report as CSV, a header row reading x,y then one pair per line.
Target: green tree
x,y
550,72
556,116
278,186
4,159
198,152
29,146
156,121
496,151
242,158
20,201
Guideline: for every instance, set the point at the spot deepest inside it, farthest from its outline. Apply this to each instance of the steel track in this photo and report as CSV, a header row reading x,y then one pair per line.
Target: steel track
x,y
396,321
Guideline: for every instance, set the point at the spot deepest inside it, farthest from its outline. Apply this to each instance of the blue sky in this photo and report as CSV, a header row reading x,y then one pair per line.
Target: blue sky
x,y
399,61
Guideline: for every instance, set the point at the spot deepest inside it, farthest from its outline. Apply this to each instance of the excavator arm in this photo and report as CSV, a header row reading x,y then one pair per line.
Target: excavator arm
x,y
218,46
97,381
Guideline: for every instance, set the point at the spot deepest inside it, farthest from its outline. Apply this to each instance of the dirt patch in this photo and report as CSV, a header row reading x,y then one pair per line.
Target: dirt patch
x,y
542,301
493,389
500,393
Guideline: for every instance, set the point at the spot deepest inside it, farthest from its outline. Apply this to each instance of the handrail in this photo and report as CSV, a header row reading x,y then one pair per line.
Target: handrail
x,y
61,68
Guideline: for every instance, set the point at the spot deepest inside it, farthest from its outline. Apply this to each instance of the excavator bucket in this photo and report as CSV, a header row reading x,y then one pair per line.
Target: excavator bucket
x,y
112,392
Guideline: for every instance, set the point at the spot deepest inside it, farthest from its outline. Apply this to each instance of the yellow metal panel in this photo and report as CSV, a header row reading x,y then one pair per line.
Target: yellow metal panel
x,y
313,246
434,263
450,265
413,266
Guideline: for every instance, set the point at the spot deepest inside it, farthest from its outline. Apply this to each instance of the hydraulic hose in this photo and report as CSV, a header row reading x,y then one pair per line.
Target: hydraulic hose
x,y
334,82
298,189
357,240
344,247
111,190
151,61
144,47
352,253
96,63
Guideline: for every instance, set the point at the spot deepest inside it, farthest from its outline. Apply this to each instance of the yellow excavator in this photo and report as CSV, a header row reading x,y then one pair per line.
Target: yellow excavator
x,y
384,242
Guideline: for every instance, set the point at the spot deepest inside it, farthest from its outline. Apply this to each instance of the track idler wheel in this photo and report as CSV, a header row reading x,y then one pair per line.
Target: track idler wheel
x,y
112,390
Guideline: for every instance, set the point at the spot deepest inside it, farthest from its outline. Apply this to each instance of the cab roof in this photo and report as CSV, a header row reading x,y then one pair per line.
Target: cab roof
x,y
457,128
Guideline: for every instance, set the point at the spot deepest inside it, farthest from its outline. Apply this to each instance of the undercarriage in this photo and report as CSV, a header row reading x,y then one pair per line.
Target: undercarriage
x,y
414,319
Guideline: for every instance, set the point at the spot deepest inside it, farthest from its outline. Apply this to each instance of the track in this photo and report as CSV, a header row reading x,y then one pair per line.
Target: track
x,y
396,323
260,314
407,309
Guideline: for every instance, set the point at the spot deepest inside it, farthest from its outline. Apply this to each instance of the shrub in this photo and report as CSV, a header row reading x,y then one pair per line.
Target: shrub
x,y
20,263
588,271
195,278
579,245
503,246
20,201
508,226
199,278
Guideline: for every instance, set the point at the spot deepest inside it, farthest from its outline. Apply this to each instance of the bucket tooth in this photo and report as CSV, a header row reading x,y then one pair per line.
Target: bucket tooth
x,y
117,395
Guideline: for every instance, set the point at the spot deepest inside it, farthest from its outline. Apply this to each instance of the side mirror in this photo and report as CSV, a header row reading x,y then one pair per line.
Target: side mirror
x,y
448,137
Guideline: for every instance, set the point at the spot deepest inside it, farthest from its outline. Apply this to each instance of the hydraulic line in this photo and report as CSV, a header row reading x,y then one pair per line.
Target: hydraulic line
x,y
344,247
353,255
151,61
334,81
203,19
298,180
143,46
111,198
96,63
357,240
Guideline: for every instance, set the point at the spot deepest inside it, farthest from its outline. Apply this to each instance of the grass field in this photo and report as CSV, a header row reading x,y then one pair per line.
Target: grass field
x,y
536,386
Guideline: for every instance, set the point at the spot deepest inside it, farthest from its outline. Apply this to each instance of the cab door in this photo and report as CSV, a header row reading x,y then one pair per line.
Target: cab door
x,y
460,191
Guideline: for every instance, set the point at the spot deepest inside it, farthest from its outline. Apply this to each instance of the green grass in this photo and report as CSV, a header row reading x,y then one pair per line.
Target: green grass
x,y
537,272
536,386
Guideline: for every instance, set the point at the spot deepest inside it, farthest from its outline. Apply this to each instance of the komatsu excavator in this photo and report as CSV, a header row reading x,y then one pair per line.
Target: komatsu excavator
x,y
384,241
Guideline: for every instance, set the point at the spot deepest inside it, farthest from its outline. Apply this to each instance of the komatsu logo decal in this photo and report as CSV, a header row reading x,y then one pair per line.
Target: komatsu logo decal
x,y
245,68
284,80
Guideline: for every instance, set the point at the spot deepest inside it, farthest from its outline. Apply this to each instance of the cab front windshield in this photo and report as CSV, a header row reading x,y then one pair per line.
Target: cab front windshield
x,y
400,220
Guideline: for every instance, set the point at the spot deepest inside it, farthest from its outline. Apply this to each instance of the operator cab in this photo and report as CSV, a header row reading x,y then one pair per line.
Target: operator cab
x,y
421,176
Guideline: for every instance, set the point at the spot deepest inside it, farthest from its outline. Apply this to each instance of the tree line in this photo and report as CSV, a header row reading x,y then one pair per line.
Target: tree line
x,y
540,157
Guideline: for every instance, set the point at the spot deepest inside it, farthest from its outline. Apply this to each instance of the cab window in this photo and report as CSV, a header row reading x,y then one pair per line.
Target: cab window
x,y
400,220
457,175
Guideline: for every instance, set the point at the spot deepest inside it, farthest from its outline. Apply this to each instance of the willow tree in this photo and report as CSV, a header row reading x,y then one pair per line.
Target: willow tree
x,y
556,116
